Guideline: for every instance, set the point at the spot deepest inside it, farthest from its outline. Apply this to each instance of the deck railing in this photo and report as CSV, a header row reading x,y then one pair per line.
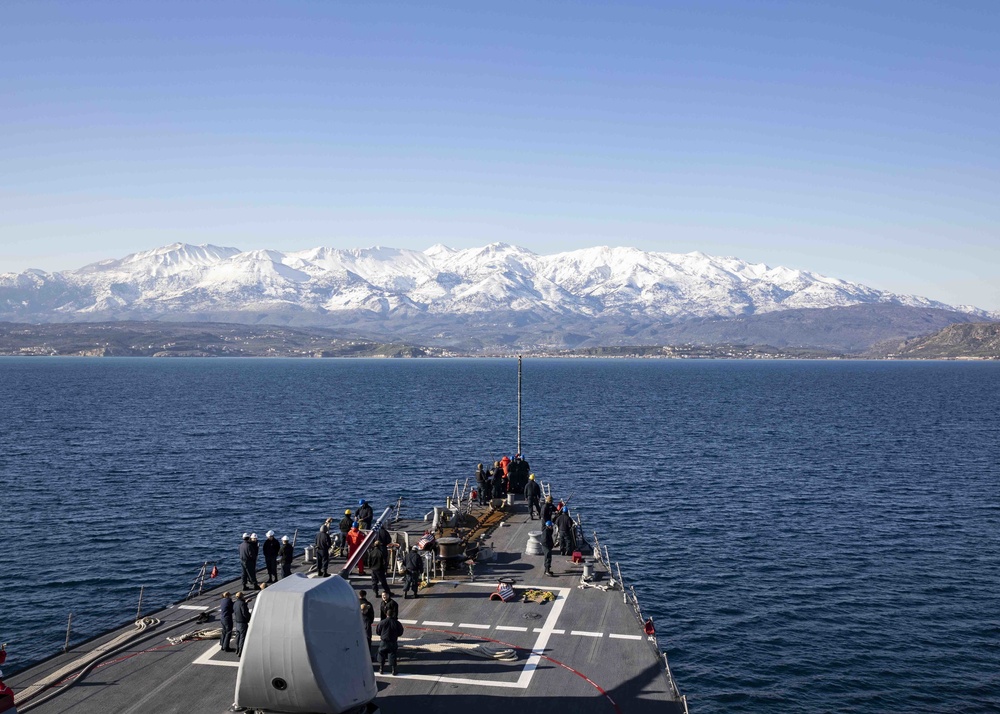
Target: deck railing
x,y
630,597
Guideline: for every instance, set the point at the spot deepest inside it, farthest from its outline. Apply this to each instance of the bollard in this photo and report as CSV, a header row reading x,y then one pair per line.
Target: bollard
x,y
534,546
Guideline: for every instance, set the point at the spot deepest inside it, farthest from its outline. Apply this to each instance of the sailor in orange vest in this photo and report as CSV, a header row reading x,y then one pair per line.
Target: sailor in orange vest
x,y
6,693
354,538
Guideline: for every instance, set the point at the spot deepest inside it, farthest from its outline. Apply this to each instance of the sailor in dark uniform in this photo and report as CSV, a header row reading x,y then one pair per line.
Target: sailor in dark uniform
x,y
481,481
389,631
389,607
345,526
367,616
533,492
287,553
548,509
322,552
548,544
241,621
226,618
364,515
377,560
248,563
413,565
271,548
567,541
254,552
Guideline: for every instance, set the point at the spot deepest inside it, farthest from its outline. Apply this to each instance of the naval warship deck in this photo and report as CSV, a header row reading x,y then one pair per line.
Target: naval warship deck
x,y
585,651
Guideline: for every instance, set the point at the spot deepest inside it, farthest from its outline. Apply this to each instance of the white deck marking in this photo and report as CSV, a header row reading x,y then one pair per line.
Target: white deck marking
x,y
435,623
543,637
408,622
207,655
533,659
510,628
625,637
554,632
470,626
584,633
193,607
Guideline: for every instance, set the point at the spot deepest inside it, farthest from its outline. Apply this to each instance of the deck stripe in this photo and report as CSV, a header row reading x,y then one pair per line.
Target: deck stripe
x,y
625,637
470,626
542,642
554,632
408,622
435,623
584,633
509,628
203,608
207,655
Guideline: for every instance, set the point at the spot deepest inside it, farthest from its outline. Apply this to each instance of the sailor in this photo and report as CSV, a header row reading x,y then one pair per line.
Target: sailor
x,y
364,515
533,492
322,552
548,509
524,467
518,477
6,693
367,616
548,544
383,536
567,541
354,540
287,553
481,481
241,621
388,607
345,525
413,565
271,548
498,481
248,563
389,631
377,559
254,552
226,618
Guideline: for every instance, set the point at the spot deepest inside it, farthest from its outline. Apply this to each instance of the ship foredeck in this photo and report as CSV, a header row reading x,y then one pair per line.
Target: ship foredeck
x,y
584,649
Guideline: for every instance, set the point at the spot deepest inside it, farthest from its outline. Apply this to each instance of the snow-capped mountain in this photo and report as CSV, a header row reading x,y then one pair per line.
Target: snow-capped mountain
x,y
499,282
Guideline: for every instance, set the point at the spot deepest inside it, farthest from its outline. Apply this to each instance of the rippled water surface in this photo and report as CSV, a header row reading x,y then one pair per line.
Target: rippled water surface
x,y
810,536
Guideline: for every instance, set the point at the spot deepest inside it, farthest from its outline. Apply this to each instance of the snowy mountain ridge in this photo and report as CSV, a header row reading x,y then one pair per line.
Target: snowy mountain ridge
x,y
182,280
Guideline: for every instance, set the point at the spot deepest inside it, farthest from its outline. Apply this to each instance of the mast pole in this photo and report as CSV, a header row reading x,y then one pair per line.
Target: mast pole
x,y
519,404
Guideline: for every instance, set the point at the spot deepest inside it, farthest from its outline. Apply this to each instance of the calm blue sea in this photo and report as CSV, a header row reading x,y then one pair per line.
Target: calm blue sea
x,y
810,536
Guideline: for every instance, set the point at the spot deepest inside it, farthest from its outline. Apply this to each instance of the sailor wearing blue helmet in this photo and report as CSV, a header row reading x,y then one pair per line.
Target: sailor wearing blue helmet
x,y
548,543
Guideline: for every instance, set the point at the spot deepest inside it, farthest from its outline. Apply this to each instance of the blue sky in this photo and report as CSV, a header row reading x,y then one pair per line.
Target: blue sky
x,y
859,140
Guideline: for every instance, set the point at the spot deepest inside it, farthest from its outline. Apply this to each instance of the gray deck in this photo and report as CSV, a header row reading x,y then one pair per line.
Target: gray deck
x,y
586,649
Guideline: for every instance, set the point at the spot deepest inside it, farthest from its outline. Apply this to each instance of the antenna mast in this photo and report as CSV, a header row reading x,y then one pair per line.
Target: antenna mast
x,y
519,404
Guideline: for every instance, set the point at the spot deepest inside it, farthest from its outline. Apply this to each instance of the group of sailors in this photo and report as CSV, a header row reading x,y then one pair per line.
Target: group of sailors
x,y
505,476
353,529
274,551
347,539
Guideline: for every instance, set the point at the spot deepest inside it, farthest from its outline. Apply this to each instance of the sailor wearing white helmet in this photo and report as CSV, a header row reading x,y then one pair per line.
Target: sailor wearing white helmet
x,y
286,557
271,547
248,562
254,552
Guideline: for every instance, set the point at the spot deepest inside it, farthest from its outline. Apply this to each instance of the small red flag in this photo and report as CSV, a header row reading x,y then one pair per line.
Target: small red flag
x,y
215,572
648,627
